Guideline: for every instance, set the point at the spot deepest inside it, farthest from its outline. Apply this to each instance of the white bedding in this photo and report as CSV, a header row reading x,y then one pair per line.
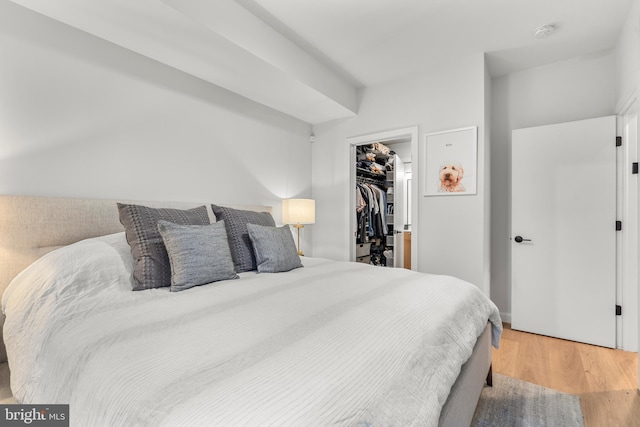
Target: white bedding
x,y
332,343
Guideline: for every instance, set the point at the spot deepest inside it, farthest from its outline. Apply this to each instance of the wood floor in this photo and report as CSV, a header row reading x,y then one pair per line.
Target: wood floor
x,y
606,380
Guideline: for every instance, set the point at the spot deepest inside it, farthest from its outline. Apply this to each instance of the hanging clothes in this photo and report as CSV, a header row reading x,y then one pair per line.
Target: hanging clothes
x,y
362,212
371,201
382,202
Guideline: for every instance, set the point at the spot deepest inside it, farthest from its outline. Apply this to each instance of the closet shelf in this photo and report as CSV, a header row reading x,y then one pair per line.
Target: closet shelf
x,y
370,174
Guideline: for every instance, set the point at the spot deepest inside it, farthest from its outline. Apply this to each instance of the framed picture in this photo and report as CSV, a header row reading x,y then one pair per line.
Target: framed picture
x,y
451,162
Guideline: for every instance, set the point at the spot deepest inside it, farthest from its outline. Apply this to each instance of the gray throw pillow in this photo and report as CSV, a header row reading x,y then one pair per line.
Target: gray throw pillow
x,y
151,263
236,221
274,247
198,254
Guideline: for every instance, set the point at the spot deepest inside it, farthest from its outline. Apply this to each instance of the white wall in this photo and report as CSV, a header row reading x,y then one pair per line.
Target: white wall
x,y
575,89
488,193
81,117
627,56
451,231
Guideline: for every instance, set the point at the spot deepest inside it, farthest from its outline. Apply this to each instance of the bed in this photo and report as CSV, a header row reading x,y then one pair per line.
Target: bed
x,y
331,343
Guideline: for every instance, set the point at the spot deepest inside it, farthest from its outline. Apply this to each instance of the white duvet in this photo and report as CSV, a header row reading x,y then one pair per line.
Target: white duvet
x,y
333,343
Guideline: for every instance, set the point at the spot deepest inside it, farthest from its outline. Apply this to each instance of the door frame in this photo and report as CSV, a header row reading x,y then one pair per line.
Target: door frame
x,y
628,244
409,133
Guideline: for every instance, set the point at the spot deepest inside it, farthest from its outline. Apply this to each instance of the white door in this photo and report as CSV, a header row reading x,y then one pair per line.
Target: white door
x,y
563,238
398,213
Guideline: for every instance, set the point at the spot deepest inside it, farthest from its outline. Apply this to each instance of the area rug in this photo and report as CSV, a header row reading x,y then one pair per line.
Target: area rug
x,y
515,403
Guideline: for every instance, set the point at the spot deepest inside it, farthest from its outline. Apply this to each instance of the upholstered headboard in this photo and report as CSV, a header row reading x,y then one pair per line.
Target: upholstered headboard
x,y
33,226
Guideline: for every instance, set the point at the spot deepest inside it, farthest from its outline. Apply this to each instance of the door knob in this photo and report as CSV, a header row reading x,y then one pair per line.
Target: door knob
x,y
519,239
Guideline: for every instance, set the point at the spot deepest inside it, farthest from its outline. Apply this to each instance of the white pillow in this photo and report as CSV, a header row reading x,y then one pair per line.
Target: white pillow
x,y
75,271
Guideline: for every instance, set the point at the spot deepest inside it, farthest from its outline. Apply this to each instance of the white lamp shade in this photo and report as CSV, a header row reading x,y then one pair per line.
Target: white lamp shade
x,y
299,211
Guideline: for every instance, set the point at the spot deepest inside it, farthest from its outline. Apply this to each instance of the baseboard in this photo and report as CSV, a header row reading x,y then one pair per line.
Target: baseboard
x,y
506,317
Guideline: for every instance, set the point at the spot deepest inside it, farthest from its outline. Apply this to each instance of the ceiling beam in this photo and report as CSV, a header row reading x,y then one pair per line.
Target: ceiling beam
x,y
219,42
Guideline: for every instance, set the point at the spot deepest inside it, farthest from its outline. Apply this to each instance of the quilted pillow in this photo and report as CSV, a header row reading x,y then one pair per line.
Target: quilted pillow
x,y
151,262
236,221
274,248
198,254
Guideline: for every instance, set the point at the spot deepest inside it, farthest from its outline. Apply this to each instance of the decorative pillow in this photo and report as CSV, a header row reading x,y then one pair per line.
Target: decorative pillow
x,y
198,254
274,247
236,221
151,263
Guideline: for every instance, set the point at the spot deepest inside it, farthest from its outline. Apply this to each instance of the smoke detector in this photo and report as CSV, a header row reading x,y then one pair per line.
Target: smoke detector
x,y
544,31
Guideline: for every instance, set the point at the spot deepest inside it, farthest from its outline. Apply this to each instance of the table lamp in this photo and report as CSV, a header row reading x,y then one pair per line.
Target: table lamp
x,y
299,212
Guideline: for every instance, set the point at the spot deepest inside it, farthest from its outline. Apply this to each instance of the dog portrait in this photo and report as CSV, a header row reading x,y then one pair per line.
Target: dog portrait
x,y
451,162
451,174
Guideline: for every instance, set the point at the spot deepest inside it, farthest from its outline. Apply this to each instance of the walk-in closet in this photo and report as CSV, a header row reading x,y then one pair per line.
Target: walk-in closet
x,y
382,229
382,215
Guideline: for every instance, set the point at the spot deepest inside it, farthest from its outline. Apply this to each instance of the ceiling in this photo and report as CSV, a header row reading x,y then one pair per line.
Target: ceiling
x,y
307,58
375,41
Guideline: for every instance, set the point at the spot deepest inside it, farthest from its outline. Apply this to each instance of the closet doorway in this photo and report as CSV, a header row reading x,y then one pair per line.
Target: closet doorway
x,y
368,244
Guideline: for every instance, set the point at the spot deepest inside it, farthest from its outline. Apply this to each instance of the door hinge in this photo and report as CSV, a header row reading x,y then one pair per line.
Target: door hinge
x,y
618,310
618,225
634,168
618,141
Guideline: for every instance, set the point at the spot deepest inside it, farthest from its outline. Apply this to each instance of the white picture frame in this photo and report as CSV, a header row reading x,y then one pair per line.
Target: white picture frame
x,y
451,162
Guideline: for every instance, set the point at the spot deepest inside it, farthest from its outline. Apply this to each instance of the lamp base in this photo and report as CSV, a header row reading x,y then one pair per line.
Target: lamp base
x,y
299,226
